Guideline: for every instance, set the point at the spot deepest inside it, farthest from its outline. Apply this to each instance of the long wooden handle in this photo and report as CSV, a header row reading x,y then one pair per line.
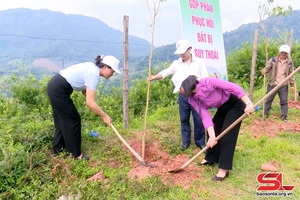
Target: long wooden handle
x,y
194,157
243,116
263,107
128,146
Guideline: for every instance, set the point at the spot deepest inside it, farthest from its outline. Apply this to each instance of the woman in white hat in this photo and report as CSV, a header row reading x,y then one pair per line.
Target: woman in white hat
x,y
82,77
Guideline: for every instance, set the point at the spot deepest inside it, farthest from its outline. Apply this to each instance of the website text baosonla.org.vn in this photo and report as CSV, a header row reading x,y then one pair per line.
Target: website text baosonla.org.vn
x,y
275,194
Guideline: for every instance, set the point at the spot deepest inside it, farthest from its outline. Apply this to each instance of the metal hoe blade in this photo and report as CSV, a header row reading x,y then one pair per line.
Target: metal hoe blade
x,y
189,161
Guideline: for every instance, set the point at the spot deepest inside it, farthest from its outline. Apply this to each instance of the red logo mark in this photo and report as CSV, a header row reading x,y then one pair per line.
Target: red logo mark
x,y
272,182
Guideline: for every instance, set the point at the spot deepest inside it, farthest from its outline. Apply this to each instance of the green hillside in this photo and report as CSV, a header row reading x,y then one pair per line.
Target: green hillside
x,y
26,33
43,41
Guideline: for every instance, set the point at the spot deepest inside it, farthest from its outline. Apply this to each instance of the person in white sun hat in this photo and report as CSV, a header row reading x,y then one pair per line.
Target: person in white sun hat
x,y
82,77
186,64
278,69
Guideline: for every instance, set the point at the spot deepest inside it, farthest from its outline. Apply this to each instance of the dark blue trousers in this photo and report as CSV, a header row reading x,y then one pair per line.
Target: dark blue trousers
x,y
283,96
185,110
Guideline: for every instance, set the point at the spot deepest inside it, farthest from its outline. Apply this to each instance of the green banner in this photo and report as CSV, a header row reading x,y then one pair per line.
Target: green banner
x,y
202,26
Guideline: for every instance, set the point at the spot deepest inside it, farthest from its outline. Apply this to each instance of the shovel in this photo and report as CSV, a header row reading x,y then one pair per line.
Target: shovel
x,y
131,149
236,122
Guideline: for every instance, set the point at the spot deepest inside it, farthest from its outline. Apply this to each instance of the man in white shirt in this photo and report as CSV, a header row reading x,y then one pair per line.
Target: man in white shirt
x,y
186,64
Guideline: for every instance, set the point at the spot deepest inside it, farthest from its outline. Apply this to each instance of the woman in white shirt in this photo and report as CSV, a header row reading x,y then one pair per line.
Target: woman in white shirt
x,y
82,77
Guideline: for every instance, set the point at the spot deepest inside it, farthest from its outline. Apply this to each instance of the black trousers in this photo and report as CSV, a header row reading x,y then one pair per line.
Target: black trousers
x,y
223,151
66,117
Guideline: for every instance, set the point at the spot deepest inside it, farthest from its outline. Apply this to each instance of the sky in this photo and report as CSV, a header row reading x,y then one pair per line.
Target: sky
x,y
168,29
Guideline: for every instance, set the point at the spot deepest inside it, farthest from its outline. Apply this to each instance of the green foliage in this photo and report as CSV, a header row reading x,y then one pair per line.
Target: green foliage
x,y
29,172
158,95
268,8
239,62
29,91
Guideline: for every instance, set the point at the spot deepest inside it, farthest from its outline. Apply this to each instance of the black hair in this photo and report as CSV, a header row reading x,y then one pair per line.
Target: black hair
x,y
98,62
189,85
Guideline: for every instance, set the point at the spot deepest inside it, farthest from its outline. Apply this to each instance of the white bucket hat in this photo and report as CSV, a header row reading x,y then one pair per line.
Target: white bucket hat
x,y
113,62
285,48
182,46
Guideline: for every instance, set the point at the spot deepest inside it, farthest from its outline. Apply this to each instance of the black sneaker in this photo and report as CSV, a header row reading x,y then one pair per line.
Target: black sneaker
x,y
184,147
266,116
284,118
200,146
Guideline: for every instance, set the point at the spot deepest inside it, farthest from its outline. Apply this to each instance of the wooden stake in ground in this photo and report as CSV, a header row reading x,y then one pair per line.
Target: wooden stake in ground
x,y
290,54
125,72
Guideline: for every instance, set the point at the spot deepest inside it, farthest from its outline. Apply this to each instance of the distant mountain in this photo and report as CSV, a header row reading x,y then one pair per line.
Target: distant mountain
x,y
245,33
48,41
233,40
46,34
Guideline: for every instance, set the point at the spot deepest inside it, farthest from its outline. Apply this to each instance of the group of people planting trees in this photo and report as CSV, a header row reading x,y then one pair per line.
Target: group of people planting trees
x,y
197,94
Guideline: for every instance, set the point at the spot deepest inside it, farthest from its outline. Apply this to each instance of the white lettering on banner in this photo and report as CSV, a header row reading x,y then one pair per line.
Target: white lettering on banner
x,y
202,26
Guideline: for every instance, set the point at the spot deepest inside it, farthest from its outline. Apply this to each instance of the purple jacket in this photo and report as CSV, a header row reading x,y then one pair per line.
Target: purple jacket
x,y
212,93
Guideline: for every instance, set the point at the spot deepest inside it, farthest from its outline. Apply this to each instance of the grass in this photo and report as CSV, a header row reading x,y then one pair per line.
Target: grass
x,y
50,178
56,177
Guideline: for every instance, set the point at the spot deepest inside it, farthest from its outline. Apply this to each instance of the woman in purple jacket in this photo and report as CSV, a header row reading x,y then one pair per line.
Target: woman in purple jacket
x,y
231,102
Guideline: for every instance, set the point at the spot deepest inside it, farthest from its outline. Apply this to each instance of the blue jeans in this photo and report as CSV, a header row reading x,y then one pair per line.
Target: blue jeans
x,y
185,110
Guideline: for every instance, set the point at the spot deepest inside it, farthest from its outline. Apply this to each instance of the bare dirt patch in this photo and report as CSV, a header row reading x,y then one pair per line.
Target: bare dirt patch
x,y
164,162
272,166
272,126
294,104
46,63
